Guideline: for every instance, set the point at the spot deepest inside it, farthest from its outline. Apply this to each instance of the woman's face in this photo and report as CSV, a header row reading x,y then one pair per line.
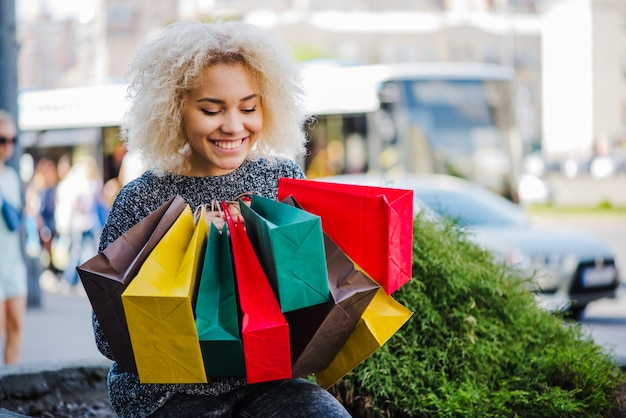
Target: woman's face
x,y
222,120
7,140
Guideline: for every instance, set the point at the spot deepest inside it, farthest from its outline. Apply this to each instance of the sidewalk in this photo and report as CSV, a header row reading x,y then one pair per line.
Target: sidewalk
x,y
60,330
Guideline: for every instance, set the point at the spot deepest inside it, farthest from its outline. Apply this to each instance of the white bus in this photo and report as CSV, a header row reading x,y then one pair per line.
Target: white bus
x,y
454,118
451,118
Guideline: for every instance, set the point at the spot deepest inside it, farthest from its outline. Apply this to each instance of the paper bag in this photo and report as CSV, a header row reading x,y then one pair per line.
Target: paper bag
x,y
318,332
264,330
217,317
158,307
106,275
372,225
289,243
383,317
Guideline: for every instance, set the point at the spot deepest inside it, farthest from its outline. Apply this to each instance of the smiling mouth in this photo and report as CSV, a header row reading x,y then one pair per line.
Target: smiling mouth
x,y
228,144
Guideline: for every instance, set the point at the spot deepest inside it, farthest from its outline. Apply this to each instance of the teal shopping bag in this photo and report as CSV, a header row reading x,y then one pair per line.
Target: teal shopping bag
x,y
217,318
289,243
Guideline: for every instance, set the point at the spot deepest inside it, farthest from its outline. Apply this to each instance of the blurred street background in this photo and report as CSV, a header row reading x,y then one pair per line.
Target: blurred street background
x,y
503,92
525,97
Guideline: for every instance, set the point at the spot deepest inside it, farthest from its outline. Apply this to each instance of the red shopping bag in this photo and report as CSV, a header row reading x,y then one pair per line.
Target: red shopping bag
x,y
264,329
372,225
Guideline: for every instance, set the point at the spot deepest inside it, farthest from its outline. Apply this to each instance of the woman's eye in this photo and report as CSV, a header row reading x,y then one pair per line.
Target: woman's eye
x,y
249,110
209,112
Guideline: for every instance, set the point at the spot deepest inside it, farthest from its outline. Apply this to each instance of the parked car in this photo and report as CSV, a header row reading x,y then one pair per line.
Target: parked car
x,y
570,268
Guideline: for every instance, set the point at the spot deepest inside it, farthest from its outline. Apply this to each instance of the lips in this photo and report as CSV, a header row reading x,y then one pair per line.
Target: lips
x,y
228,145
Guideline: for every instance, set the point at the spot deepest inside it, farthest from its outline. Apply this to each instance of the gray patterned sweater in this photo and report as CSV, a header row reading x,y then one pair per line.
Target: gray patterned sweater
x,y
135,201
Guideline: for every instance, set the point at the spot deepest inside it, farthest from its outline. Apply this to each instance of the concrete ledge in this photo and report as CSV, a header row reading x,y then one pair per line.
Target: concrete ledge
x,y
48,386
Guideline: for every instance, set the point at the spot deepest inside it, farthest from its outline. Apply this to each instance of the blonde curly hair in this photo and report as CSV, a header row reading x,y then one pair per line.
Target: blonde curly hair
x,y
168,67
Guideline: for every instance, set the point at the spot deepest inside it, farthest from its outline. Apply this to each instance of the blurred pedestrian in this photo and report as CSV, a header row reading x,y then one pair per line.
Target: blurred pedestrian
x,y
45,182
13,281
32,225
78,213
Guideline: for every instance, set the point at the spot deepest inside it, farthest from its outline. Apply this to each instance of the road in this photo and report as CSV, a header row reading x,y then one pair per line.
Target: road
x,y
606,322
605,319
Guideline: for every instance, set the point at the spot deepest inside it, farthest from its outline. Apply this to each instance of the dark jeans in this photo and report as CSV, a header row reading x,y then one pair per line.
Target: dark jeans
x,y
297,398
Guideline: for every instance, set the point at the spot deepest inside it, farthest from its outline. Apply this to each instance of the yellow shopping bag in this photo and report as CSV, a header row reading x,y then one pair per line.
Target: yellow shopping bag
x,y
158,305
383,317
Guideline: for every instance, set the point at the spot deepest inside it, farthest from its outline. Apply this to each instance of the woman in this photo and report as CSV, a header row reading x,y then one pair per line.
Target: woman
x,y
13,279
214,105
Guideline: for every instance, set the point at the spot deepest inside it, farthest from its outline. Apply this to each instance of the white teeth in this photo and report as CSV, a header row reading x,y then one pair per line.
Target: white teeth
x,y
228,144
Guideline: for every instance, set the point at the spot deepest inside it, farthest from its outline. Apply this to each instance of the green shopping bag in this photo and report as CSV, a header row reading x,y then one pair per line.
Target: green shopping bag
x,y
289,243
217,320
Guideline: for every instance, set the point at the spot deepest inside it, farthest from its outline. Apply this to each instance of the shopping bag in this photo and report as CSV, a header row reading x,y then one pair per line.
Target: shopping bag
x,y
372,225
264,330
382,318
319,331
106,275
217,318
158,306
289,243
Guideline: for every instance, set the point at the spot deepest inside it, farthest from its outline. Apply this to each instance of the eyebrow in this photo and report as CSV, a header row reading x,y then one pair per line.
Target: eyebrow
x,y
219,101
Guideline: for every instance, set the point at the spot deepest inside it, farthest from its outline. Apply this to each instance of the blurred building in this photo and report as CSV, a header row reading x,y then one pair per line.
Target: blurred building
x,y
89,43
569,56
129,23
60,47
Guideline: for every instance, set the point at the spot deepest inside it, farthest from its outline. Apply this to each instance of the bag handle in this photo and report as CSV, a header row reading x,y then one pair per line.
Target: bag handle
x,y
229,219
214,206
245,196
213,214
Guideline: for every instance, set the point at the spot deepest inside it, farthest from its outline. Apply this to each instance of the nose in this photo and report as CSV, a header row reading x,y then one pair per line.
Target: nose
x,y
233,123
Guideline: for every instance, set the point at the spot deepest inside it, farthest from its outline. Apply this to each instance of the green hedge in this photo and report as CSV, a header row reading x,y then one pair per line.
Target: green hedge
x,y
478,346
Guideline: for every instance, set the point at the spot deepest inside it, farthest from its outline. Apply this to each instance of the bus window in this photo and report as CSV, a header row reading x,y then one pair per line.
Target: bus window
x,y
337,145
465,126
